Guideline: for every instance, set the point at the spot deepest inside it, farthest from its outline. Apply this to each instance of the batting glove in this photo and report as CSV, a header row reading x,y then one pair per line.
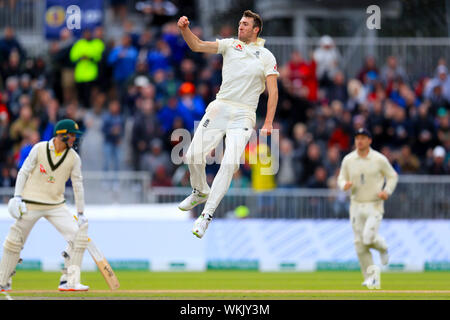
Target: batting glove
x,y
81,219
16,207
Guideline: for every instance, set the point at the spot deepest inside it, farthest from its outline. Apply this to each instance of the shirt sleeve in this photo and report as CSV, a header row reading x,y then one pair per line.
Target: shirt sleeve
x,y
343,175
390,175
27,166
77,184
270,64
224,44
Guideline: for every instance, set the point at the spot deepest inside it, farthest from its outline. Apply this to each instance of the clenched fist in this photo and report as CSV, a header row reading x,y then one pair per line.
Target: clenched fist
x,y
183,22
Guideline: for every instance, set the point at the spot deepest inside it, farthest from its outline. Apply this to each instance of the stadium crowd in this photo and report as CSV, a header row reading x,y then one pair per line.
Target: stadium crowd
x,y
129,94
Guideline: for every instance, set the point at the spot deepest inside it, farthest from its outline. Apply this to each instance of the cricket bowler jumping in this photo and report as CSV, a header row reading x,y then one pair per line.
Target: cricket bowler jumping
x,y
247,67
39,192
372,180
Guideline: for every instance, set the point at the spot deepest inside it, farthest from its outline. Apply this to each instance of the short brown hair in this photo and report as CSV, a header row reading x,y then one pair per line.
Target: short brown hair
x,y
257,21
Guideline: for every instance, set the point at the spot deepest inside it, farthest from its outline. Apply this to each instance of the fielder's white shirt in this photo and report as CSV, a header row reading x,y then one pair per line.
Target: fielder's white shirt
x,y
244,72
75,176
368,175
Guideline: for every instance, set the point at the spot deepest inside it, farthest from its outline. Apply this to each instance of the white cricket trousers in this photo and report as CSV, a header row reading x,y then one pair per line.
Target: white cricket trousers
x,y
61,218
365,218
222,118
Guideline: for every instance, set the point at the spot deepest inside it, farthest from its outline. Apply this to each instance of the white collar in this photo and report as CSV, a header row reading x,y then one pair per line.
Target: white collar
x,y
259,42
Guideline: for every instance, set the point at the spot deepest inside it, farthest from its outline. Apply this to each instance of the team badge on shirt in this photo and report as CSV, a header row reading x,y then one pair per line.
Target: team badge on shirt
x,y
238,47
42,169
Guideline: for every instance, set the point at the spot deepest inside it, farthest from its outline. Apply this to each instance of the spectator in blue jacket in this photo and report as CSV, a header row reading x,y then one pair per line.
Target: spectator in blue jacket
x,y
191,107
113,130
123,60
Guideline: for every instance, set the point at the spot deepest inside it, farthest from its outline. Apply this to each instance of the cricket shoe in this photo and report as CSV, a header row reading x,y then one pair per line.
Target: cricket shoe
x,y
384,257
63,286
6,288
194,199
201,224
370,283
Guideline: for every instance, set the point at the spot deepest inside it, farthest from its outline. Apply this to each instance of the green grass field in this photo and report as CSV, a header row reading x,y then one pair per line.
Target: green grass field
x,y
235,285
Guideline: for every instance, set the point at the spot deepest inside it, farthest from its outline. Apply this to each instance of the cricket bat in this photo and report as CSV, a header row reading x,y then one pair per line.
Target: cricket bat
x,y
103,266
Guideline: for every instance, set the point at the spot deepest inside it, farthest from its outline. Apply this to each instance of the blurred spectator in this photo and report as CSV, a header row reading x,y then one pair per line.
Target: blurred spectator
x,y
30,139
123,60
159,57
160,178
21,125
86,55
188,71
377,125
191,106
145,128
9,43
12,95
327,58
5,140
369,67
288,167
49,119
408,162
391,72
103,81
342,134
92,141
443,129
319,179
338,89
157,12
424,130
436,164
8,177
171,35
156,157
113,129
392,157
11,66
168,115
119,8
439,86
357,96
310,161
63,69
333,160
302,73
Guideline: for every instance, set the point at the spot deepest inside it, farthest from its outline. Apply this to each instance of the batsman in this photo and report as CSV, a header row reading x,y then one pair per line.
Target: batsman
x,y
372,180
39,192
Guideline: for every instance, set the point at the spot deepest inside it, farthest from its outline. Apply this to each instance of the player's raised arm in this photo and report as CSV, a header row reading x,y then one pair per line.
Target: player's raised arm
x,y
272,89
193,41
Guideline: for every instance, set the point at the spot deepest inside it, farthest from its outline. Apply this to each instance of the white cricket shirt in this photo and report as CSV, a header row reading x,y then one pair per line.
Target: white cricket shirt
x,y
37,180
369,175
244,72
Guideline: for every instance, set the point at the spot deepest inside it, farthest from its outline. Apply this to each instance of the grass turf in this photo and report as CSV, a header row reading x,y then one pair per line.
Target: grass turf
x,y
236,285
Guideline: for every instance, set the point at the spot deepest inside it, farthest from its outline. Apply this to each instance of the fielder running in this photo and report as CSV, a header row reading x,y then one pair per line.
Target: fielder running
x,y
247,67
39,192
372,180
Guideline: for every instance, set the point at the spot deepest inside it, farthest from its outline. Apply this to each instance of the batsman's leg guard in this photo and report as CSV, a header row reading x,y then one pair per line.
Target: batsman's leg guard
x,y
11,255
76,253
65,254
